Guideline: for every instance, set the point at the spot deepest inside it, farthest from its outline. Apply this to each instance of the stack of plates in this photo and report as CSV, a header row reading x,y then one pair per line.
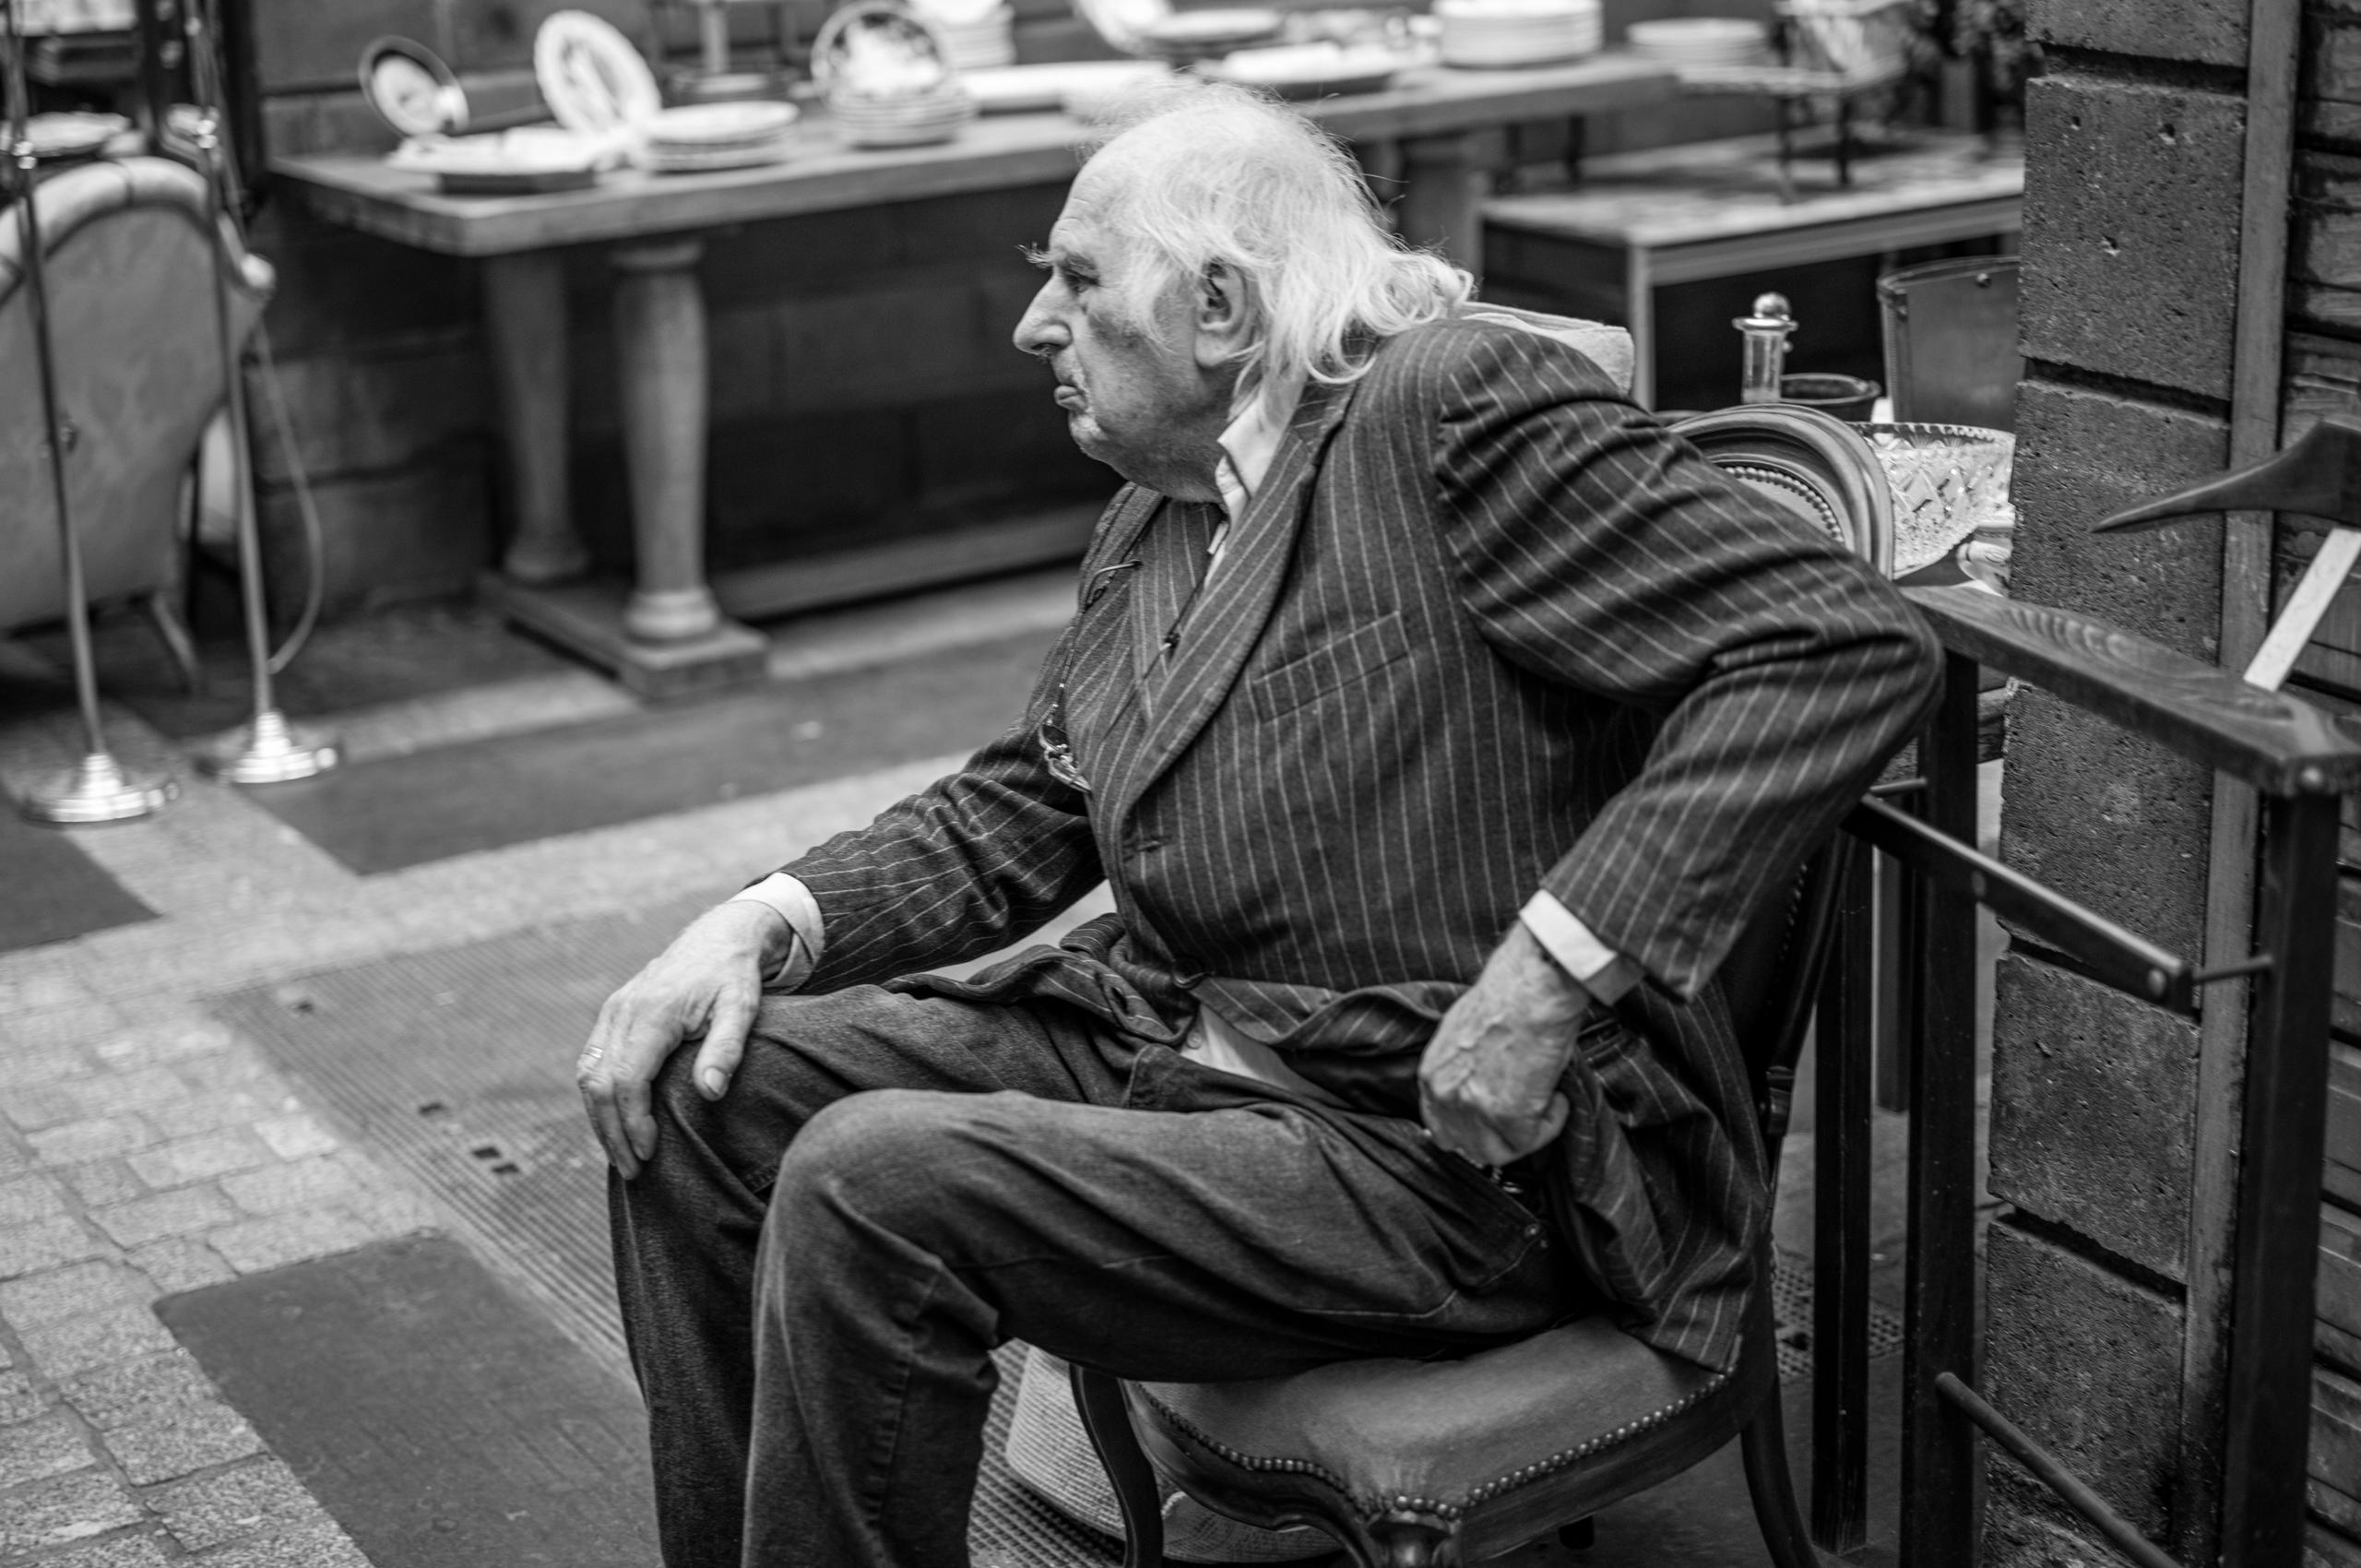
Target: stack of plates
x,y
1490,33
1688,41
910,119
526,161
983,44
700,137
1306,70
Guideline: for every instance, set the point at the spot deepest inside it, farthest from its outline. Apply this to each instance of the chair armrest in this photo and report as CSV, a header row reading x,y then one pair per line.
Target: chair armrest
x,y
2278,743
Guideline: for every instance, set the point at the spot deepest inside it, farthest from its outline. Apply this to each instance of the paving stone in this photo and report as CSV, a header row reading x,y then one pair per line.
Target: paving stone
x,y
116,1334
181,1263
141,1090
278,1188
45,1446
2212,33
388,1209
180,1212
101,1137
72,1025
133,1548
44,1243
103,1183
19,1400
185,1160
253,1245
2084,1360
30,1065
30,1198
296,1135
320,1545
58,1294
210,1111
136,1390
70,1508
2130,229
2092,1098
171,1040
41,989
180,1441
213,1509
35,1106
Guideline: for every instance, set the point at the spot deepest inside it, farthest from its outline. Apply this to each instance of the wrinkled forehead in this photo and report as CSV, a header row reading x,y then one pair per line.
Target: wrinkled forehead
x,y
1092,222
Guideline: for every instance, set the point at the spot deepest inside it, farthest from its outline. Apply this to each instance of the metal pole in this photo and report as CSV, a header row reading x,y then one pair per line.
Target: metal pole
x,y
98,789
269,750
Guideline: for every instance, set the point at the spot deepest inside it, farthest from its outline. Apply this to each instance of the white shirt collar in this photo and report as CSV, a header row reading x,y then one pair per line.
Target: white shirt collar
x,y
1249,445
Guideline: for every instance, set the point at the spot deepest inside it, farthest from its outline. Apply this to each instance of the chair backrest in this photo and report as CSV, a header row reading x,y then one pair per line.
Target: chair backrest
x,y
130,286
1828,473
1950,342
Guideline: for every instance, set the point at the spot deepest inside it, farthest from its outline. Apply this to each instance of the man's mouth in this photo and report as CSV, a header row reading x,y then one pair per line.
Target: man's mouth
x,y
1069,397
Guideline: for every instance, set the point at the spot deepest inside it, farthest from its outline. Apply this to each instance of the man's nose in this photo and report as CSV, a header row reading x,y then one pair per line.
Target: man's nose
x,y
1039,331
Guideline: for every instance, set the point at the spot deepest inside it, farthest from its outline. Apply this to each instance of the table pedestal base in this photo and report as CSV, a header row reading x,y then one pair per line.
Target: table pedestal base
x,y
586,619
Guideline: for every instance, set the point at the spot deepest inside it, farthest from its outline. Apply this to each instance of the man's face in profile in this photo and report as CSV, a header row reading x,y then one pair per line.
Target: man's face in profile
x,y
1119,338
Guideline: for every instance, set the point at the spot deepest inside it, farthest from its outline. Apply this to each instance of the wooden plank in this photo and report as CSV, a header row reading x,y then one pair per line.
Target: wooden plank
x,y
2336,1428
997,150
2327,1548
2339,1292
2325,305
2346,1012
2274,741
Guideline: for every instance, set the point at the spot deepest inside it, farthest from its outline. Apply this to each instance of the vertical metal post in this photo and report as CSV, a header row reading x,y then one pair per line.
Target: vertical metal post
x,y
1938,1453
1840,1254
2268,1394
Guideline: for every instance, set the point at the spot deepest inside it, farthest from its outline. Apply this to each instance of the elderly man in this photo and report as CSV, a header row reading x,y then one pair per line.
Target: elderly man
x,y
1437,720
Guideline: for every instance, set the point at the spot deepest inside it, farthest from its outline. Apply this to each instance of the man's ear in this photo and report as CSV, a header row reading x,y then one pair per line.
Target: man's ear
x,y
1222,309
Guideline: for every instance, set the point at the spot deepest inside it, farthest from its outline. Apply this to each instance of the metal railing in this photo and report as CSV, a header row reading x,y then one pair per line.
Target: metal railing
x,y
2299,762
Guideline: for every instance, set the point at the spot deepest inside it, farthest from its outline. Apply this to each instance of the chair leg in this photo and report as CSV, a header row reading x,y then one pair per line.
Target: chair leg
x,y
1763,1445
1098,1399
166,621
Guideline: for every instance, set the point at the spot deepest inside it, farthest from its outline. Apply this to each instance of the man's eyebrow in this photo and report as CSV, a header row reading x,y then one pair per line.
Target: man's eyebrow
x,y
1054,259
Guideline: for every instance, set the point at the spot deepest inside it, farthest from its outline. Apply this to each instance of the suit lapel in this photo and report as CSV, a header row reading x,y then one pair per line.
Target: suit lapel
x,y
1228,616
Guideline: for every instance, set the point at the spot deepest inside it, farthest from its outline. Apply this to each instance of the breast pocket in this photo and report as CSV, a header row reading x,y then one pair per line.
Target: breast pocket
x,y
1334,667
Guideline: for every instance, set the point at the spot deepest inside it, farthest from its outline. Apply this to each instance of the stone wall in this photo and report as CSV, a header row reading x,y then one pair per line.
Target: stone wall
x,y
2135,167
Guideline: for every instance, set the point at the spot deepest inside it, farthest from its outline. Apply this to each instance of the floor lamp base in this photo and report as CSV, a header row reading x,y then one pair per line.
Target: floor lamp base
x,y
97,791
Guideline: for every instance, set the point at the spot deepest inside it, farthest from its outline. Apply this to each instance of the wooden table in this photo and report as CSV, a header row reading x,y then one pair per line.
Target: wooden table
x,y
670,634
1715,209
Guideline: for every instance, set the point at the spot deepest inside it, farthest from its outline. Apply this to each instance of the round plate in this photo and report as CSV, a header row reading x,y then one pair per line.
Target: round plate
x,y
873,50
412,88
592,78
1821,467
1309,70
1119,23
711,124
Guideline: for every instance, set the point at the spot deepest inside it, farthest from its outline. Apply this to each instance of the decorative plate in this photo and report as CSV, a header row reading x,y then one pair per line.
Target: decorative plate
x,y
412,88
592,78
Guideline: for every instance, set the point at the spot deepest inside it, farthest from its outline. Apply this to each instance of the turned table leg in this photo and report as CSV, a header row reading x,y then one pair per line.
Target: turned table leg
x,y
660,352
1443,192
524,307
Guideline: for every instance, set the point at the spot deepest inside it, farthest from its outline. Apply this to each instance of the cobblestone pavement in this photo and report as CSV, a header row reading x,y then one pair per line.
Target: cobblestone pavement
x,y
146,1148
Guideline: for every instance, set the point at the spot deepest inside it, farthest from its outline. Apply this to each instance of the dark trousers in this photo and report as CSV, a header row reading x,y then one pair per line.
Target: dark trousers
x,y
815,1270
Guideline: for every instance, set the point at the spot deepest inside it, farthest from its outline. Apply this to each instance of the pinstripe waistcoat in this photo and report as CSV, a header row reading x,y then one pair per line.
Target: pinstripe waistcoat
x,y
1485,629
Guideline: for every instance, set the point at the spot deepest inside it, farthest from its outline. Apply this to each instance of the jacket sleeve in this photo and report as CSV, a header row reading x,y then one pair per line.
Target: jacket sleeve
x,y
969,864
1597,549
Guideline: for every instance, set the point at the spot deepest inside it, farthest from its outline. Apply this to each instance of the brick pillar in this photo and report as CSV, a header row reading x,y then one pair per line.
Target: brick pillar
x,y
2135,143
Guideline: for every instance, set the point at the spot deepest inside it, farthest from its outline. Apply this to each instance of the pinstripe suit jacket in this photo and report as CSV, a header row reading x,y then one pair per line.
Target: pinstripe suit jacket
x,y
1485,628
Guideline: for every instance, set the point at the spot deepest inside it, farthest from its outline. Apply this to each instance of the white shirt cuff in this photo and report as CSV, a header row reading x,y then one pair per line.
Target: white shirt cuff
x,y
1594,966
794,904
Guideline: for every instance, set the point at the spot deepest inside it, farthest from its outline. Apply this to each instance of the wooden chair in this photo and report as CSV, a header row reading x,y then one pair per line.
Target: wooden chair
x,y
1409,1464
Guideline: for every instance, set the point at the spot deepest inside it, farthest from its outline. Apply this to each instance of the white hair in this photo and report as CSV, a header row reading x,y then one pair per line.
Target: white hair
x,y
1235,179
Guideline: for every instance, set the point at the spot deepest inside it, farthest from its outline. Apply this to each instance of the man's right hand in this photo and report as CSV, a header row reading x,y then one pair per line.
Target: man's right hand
x,y
703,986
